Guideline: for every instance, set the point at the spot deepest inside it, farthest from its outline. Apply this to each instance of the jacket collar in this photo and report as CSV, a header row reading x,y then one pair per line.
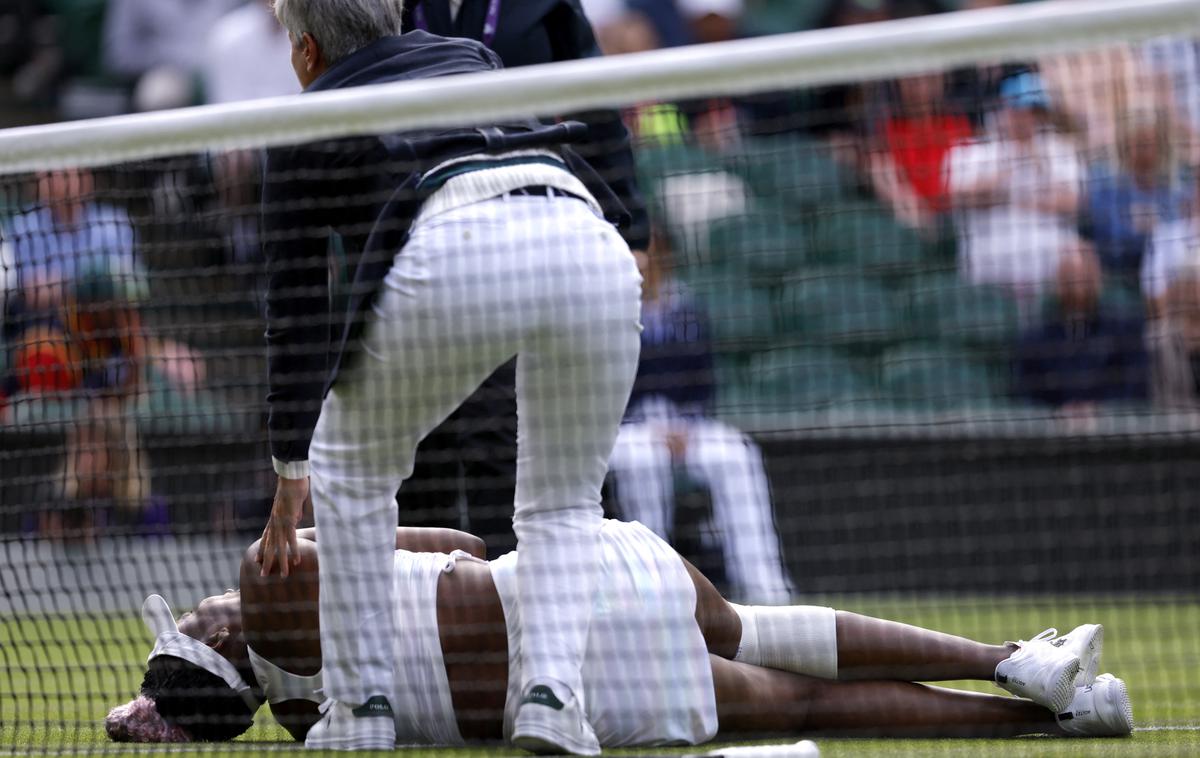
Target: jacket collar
x,y
347,69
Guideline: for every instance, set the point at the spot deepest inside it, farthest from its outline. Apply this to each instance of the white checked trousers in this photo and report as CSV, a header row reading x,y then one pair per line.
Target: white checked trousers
x,y
731,466
542,278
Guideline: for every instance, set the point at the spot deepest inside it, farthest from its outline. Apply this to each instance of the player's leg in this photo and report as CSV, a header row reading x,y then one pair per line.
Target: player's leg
x,y
424,350
574,375
833,644
820,641
731,465
641,469
757,700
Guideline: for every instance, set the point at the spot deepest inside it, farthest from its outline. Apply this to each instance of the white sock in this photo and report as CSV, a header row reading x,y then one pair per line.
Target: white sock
x,y
801,639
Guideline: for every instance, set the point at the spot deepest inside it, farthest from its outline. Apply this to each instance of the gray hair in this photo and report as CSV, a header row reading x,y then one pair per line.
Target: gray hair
x,y
340,27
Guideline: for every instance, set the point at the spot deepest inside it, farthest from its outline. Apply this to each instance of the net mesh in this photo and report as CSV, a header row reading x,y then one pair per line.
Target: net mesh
x,y
918,342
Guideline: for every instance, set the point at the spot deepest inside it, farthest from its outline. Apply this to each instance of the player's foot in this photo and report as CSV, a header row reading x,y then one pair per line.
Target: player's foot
x,y
1100,709
1085,641
343,727
548,726
1041,672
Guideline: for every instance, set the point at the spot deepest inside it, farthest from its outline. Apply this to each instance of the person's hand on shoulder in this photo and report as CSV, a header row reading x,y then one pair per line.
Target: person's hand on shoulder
x,y
278,546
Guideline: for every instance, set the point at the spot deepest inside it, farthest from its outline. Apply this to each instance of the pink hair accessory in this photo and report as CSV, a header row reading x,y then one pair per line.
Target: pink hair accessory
x,y
139,721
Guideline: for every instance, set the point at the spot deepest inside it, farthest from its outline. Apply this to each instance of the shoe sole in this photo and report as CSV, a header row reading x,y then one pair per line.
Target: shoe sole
x,y
358,743
350,745
1063,687
1118,696
542,742
1089,655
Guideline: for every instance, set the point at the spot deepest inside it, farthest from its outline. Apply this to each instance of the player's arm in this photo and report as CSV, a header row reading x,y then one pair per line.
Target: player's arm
x,y
274,602
295,241
425,540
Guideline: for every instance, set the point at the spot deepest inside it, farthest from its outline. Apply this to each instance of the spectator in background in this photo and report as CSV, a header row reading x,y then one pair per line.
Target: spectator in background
x,y
1144,189
839,113
74,333
836,114
71,330
1174,248
663,19
712,20
713,121
906,162
667,432
160,46
1083,356
621,32
1017,195
67,236
1177,61
623,29
1174,340
1096,91
246,58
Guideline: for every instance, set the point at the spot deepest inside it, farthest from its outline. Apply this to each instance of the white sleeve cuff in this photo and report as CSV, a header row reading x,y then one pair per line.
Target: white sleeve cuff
x,y
291,469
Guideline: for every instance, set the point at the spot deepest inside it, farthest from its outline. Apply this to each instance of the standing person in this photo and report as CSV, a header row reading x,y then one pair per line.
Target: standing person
x,y
668,430
480,438
488,248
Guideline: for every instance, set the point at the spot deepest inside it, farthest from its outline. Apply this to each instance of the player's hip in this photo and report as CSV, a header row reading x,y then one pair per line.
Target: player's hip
x,y
646,671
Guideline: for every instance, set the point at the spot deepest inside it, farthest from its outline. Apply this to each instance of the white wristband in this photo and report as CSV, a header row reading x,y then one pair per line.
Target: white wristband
x,y
290,469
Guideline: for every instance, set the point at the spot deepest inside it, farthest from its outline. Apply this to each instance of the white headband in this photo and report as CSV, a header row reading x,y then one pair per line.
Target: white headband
x,y
168,640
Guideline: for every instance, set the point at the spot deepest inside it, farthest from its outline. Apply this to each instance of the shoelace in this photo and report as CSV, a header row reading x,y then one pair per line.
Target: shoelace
x,y
325,705
1048,634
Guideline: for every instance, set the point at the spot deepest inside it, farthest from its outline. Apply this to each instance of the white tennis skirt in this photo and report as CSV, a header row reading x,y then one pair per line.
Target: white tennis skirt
x,y
646,673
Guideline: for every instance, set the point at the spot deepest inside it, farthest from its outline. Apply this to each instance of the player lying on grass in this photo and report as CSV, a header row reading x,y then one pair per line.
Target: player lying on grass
x,y
669,661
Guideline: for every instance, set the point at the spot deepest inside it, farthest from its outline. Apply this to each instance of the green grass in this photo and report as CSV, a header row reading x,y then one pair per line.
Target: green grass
x,y
60,676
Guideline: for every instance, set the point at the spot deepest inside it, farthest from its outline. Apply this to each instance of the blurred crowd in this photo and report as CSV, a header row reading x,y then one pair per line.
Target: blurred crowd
x,y
1069,183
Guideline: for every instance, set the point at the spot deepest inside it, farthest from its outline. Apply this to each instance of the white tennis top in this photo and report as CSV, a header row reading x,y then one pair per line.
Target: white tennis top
x,y
421,704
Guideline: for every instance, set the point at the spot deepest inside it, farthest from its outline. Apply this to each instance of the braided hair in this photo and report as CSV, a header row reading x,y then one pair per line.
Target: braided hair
x,y
201,703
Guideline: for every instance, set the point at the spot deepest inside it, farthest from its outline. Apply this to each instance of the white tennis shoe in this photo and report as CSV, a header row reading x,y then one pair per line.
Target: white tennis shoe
x,y
1040,671
1099,709
547,726
368,727
1085,641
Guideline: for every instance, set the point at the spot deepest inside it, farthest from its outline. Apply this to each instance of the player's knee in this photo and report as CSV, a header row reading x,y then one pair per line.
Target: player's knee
x,y
797,638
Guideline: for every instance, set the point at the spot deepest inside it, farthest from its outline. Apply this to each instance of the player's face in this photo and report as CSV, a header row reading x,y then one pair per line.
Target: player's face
x,y
217,619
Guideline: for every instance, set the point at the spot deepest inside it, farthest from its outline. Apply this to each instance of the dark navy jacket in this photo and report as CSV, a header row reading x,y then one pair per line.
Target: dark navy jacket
x,y
676,362
530,32
336,212
1099,360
